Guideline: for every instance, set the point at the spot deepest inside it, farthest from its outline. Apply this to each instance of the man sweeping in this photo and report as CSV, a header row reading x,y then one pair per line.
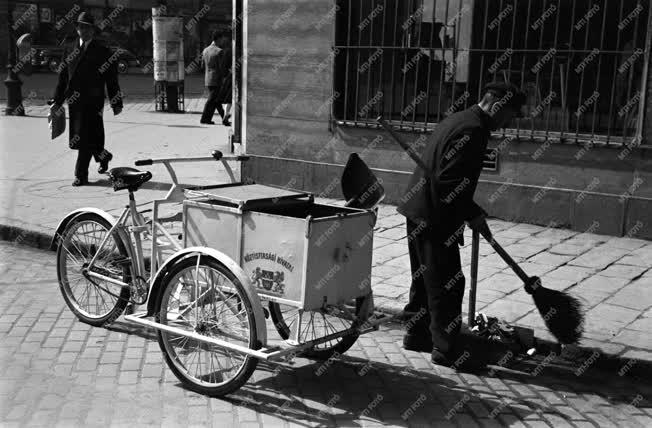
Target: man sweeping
x,y
436,204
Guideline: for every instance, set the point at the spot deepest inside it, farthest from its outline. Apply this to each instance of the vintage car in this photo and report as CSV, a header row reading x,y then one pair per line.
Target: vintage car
x,y
49,56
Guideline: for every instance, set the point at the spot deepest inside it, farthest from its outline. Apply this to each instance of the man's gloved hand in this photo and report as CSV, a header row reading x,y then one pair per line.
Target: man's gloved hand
x,y
117,110
479,224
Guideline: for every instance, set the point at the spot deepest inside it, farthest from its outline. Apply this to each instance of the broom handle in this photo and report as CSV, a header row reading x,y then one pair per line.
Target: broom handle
x,y
475,253
507,258
402,143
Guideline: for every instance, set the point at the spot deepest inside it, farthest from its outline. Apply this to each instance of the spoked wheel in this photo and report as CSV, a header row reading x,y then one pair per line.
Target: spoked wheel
x,y
99,302
205,297
317,324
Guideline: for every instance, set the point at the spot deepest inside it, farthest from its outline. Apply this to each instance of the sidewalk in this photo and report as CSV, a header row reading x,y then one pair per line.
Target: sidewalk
x,y
613,276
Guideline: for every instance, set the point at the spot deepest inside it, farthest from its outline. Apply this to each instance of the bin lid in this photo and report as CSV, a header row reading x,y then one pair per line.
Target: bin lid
x,y
249,194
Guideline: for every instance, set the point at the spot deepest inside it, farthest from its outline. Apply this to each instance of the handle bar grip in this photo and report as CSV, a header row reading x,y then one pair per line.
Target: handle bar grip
x,y
143,162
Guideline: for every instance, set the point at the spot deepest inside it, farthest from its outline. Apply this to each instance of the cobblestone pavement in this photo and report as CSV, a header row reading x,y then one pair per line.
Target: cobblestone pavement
x,y
612,276
56,371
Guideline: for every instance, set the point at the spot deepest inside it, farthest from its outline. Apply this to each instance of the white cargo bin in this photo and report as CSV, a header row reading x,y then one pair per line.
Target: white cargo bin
x,y
295,251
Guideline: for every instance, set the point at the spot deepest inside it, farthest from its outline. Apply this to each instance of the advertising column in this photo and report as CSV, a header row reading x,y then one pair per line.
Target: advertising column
x,y
169,75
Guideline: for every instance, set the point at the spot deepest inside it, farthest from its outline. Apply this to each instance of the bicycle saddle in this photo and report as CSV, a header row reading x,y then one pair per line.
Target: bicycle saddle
x,y
128,178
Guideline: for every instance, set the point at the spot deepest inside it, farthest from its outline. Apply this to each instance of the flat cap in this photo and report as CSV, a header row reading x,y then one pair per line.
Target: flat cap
x,y
512,95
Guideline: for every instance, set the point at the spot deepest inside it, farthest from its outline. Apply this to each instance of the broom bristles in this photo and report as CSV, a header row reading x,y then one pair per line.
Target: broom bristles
x,y
562,313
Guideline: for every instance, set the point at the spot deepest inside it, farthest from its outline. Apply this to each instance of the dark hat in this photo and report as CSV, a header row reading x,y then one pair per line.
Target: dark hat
x,y
513,96
85,18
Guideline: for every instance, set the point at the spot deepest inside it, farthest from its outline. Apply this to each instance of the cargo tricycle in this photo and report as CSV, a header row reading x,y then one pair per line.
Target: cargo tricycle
x,y
246,254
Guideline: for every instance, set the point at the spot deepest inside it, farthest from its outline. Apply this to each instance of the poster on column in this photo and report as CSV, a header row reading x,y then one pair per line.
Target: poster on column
x,y
168,48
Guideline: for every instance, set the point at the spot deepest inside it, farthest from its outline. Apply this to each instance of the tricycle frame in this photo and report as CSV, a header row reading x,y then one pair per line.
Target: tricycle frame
x,y
155,276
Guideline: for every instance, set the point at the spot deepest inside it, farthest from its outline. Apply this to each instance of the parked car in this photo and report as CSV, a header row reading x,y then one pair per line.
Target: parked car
x,y
49,56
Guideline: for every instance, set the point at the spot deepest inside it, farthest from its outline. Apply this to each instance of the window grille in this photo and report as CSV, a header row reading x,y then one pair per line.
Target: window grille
x,y
582,63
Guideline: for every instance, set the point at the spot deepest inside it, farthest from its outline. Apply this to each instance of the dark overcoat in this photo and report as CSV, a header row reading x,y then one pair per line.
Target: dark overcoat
x,y
83,75
441,198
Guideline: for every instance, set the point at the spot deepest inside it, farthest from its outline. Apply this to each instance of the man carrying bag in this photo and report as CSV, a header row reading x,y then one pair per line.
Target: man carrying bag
x,y
86,68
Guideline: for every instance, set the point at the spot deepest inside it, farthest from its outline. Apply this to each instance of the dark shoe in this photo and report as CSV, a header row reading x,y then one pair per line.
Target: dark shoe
x,y
226,122
467,361
104,163
439,358
205,122
79,182
417,342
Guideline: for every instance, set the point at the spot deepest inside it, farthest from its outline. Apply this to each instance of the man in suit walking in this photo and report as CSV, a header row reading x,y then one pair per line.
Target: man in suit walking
x,y
437,203
212,79
86,68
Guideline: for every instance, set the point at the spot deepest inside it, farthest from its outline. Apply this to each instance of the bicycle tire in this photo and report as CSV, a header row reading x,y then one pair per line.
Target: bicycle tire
x,y
328,349
117,305
170,314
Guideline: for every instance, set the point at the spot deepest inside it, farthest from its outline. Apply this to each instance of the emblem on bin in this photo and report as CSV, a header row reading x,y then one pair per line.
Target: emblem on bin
x,y
269,280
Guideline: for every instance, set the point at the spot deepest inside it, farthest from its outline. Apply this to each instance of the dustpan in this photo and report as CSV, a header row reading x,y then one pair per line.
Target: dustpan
x,y
361,188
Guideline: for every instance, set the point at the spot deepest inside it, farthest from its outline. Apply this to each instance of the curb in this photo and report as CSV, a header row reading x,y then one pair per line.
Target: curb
x,y
568,360
22,236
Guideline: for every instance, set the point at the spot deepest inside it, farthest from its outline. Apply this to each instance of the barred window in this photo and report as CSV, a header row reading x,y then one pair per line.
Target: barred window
x,y
582,63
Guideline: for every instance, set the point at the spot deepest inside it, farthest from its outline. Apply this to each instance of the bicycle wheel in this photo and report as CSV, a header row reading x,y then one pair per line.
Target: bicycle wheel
x,y
77,245
316,324
205,297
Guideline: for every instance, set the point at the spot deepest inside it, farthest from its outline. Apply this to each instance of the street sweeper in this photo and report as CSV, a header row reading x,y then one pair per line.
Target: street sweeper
x,y
437,203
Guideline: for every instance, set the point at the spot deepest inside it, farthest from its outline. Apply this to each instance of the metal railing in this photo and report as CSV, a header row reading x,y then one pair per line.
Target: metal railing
x,y
582,63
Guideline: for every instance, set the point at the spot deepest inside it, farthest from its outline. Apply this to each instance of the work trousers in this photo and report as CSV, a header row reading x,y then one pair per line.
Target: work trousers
x,y
437,287
212,103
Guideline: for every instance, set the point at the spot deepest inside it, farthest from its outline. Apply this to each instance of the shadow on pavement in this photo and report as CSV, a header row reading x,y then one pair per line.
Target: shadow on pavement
x,y
122,326
353,392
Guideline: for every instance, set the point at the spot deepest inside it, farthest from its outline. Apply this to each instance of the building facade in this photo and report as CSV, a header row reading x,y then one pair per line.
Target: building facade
x,y
317,73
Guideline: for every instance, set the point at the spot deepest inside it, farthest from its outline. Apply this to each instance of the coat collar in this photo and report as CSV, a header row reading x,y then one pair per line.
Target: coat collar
x,y
485,119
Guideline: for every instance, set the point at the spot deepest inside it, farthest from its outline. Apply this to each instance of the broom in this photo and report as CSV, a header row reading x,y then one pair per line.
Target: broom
x,y
561,312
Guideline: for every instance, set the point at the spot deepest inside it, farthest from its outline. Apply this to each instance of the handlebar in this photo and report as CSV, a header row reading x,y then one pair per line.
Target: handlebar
x,y
216,156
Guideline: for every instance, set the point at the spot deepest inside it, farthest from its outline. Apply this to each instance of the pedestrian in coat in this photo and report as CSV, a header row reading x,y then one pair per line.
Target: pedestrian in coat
x,y
225,65
437,203
212,79
86,69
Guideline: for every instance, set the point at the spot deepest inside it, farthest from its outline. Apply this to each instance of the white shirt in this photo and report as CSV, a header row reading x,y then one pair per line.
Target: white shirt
x,y
83,45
